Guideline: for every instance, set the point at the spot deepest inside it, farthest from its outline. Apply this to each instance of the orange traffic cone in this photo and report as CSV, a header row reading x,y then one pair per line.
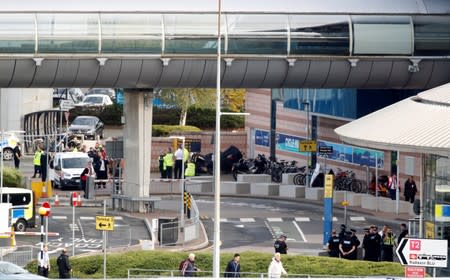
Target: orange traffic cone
x,y
44,191
13,237
56,200
79,200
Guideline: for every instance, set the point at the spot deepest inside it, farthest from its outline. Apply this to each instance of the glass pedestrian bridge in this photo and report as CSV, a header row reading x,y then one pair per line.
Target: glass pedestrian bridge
x,y
260,48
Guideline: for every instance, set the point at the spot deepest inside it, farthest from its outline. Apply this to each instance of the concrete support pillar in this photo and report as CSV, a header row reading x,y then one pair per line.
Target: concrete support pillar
x,y
137,135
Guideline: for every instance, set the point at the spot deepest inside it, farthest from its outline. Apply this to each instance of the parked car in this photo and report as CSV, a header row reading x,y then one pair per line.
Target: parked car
x,y
10,271
106,91
66,168
96,100
88,126
9,140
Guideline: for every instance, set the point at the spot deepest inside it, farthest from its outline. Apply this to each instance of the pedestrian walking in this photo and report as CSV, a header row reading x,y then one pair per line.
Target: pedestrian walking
x,y
233,269
43,262
276,268
17,155
188,268
410,190
333,245
280,245
63,263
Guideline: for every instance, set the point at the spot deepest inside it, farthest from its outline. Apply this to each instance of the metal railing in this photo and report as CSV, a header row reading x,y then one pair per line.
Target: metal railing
x,y
20,256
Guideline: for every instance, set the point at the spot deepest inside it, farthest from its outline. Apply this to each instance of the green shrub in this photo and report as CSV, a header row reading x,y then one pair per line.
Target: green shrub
x,y
166,130
255,262
12,177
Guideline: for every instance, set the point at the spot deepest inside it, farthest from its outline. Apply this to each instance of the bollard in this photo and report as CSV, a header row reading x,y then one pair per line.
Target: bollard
x,y
44,191
79,200
56,200
13,237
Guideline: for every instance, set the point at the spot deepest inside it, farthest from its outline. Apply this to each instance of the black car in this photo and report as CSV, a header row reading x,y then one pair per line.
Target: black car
x,y
89,126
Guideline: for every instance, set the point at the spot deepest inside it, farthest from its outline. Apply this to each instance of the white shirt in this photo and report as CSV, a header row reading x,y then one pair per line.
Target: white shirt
x,y
44,261
179,154
276,269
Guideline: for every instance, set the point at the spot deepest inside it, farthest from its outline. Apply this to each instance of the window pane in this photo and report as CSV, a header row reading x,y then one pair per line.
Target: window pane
x,y
68,33
190,33
431,35
319,35
17,33
382,35
257,34
131,33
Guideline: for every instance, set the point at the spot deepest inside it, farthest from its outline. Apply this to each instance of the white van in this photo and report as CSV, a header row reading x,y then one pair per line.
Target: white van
x,y
66,168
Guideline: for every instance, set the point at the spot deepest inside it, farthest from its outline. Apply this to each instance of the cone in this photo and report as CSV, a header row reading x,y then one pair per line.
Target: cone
x,y
13,237
79,200
44,191
56,200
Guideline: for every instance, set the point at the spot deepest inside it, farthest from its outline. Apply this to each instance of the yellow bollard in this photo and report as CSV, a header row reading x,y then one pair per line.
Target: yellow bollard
x,y
13,237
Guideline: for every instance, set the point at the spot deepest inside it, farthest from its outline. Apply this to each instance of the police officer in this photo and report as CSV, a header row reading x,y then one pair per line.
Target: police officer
x,y
280,245
355,240
343,231
333,245
372,245
346,246
169,162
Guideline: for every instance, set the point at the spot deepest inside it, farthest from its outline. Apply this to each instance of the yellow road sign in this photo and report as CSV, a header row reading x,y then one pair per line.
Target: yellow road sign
x,y
308,146
328,188
104,223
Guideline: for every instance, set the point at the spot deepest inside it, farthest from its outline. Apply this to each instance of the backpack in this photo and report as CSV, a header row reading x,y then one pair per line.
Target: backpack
x,y
181,267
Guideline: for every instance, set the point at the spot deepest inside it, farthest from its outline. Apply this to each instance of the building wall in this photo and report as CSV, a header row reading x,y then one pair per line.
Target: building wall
x,y
294,122
17,102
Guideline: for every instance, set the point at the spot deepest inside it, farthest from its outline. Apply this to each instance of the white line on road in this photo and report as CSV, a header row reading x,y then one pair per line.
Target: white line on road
x,y
334,219
357,219
300,231
274,219
87,218
247,220
118,218
223,220
59,217
302,219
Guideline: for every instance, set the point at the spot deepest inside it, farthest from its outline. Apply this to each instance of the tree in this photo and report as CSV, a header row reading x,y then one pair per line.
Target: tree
x,y
183,98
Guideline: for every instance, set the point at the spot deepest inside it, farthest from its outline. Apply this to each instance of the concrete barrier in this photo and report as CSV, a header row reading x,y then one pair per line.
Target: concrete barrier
x,y
339,196
265,189
292,191
199,186
370,202
389,205
288,178
314,193
254,178
354,199
231,187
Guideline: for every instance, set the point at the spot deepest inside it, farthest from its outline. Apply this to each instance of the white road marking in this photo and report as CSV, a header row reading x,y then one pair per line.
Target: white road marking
x,y
247,220
274,219
334,219
361,219
239,226
223,220
87,218
302,219
59,217
118,218
300,231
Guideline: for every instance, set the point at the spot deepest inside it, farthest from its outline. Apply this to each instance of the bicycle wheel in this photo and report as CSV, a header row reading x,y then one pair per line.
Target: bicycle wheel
x,y
356,186
277,175
297,179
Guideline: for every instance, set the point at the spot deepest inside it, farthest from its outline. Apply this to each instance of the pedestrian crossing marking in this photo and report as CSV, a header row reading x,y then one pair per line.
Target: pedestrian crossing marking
x,y
59,217
302,219
361,219
118,218
74,227
247,220
334,219
87,218
274,219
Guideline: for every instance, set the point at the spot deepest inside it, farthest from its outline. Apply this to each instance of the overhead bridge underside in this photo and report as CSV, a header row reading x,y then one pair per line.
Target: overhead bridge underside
x,y
236,73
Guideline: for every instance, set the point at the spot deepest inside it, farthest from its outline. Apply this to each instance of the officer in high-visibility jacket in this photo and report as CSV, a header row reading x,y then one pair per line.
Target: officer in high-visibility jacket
x,y
168,163
37,162
190,170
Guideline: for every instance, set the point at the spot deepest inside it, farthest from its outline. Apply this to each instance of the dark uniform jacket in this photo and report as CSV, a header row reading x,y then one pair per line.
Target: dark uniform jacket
x,y
63,266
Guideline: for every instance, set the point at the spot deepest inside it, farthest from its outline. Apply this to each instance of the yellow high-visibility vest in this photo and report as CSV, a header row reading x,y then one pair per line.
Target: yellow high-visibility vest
x,y
185,155
168,159
190,170
37,158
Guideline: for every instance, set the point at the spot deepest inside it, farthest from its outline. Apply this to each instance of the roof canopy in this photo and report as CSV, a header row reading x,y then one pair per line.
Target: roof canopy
x,y
416,124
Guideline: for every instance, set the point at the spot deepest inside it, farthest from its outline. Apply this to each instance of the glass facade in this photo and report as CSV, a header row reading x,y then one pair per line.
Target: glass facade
x,y
192,33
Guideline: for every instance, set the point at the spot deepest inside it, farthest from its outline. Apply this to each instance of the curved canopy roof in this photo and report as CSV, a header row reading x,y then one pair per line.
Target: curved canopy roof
x,y
416,124
230,6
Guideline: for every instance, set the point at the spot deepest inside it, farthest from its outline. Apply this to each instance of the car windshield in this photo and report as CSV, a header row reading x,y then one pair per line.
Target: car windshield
x,y
75,162
84,121
9,268
93,99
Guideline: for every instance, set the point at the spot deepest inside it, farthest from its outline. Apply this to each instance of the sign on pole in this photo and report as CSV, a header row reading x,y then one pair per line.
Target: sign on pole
x,y
104,223
66,105
308,146
423,252
414,272
326,150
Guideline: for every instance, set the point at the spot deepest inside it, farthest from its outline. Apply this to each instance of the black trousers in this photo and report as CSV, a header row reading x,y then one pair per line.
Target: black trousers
x,y
42,271
169,172
178,168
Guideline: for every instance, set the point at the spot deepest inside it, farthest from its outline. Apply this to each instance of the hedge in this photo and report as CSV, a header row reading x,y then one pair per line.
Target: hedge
x,y
255,262
12,177
166,130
